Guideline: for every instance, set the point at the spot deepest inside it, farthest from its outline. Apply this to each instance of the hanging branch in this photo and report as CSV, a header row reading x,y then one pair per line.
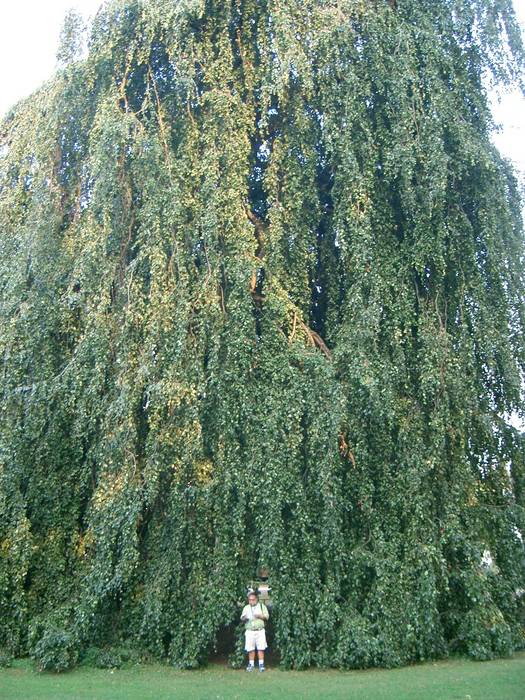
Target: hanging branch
x,y
162,126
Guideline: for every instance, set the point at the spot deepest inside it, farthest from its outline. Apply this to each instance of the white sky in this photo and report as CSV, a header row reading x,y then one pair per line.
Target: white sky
x,y
29,35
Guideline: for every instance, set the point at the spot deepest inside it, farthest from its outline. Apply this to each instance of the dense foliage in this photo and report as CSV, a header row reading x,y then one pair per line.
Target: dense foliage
x,y
262,304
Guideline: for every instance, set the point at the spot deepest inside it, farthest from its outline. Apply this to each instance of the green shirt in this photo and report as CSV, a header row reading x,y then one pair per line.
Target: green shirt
x,y
253,623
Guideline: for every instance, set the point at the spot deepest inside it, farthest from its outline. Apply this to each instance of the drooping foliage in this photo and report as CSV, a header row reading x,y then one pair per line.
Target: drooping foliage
x,y
262,304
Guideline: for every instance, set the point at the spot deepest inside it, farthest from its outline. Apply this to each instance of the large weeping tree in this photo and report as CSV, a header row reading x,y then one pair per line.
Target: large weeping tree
x,y
262,304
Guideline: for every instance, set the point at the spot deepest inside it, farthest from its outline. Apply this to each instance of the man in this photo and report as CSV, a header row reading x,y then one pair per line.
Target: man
x,y
254,616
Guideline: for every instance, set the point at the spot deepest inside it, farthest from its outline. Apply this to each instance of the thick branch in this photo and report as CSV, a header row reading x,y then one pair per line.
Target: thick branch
x,y
260,231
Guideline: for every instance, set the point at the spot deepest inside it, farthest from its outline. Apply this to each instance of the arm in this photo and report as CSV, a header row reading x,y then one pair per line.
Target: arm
x,y
264,615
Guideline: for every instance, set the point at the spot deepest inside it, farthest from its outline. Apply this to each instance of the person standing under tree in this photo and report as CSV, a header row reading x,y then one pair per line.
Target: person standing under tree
x,y
254,616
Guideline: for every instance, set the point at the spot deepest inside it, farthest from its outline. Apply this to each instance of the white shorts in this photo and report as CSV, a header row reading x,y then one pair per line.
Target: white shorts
x,y
255,639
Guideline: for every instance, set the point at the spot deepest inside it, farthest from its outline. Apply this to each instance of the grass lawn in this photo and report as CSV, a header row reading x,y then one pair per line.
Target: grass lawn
x,y
444,680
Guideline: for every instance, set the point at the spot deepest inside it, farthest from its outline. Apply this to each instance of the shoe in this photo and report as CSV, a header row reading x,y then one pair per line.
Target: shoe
x,y
249,668
261,668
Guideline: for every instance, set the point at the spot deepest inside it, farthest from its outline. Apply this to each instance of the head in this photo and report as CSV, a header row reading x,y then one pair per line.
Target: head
x,y
252,598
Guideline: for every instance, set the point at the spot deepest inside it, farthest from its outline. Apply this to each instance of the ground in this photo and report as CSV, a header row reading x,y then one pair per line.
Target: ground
x,y
455,679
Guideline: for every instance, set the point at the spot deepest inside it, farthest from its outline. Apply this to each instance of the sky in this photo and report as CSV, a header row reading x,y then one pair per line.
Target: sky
x,y
509,112
29,36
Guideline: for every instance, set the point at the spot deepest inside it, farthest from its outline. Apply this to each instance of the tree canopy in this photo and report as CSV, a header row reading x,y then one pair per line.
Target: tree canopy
x,y
262,304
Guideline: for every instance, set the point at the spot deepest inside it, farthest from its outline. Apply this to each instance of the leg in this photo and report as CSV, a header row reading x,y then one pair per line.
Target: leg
x,y
261,646
250,648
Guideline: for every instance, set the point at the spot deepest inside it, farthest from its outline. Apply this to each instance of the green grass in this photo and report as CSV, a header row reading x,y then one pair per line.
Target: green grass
x,y
455,679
